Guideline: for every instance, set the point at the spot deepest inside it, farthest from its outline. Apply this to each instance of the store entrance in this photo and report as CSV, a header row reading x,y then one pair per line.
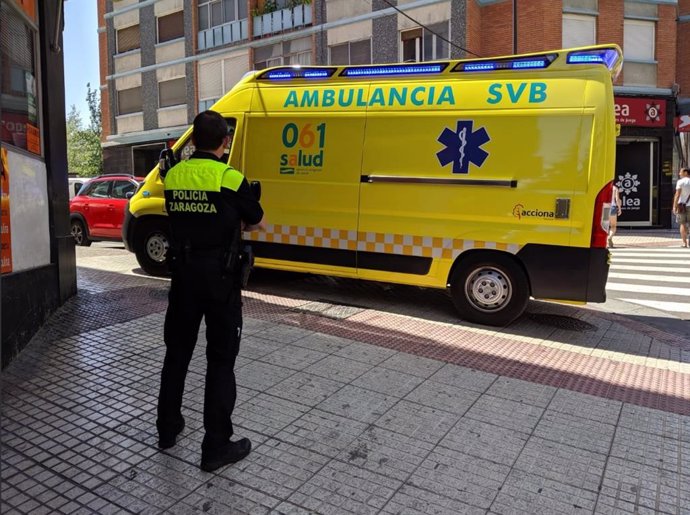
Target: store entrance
x,y
145,157
636,178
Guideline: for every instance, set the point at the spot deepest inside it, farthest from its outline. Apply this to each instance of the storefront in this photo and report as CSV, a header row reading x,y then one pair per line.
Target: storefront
x,y
644,160
37,254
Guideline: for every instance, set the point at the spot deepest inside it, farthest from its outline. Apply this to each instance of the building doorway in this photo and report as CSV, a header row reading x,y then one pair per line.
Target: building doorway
x,y
637,178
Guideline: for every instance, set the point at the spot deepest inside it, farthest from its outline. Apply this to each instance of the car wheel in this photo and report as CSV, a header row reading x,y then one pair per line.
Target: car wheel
x,y
79,234
151,244
489,288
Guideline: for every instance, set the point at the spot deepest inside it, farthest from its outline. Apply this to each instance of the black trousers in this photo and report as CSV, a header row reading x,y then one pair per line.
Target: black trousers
x,y
198,290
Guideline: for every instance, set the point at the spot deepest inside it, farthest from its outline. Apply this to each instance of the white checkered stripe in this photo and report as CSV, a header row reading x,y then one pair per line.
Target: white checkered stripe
x,y
400,244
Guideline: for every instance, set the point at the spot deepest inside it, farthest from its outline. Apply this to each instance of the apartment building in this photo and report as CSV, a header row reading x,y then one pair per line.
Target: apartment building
x,y
162,61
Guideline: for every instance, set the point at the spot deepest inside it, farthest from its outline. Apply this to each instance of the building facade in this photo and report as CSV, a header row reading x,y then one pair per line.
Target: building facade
x,y
162,61
37,256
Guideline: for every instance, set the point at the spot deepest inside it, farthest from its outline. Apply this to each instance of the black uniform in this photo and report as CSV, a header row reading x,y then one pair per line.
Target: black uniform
x,y
207,201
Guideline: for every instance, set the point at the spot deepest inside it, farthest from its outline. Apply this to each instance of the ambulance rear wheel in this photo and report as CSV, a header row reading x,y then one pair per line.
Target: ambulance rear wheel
x,y
490,289
151,243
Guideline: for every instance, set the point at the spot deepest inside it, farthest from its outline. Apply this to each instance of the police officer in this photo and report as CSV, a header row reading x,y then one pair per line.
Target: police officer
x,y
208,203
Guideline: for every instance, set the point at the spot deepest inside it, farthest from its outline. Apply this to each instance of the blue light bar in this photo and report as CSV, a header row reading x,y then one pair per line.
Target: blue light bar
x,y
605,56
478,67
530,63
403,69
297,72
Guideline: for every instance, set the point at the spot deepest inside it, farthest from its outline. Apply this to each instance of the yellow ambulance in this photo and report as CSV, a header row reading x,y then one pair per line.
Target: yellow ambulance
x,y
489,177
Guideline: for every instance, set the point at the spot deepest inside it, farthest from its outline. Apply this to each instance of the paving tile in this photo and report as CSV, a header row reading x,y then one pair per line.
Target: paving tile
x,y
388,381
655,422
522,391
365,353
411,364
267,414
386,452
463,377
294,357
323,343
486,441
575,431
443,397
652,450
416,501
506,413
276,468
631,487
358,404
283,333
306,389
341,488
460,477
253,347
562,463
261,376
586,406
424,423
529,493
322,432
339,368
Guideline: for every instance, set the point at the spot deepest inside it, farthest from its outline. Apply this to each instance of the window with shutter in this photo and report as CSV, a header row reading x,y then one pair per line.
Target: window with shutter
x,y
172,92
170,26
128,39
129,101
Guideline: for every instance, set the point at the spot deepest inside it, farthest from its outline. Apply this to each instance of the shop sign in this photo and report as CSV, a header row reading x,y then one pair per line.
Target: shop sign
x,y
640,112
683,123
5,234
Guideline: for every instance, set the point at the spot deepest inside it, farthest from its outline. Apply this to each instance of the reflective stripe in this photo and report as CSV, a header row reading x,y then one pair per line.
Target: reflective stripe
x,y
202,175
401,244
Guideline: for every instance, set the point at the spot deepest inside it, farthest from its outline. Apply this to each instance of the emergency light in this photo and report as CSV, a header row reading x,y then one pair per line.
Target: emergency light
x,y
298,72
606,56
402,69
531,63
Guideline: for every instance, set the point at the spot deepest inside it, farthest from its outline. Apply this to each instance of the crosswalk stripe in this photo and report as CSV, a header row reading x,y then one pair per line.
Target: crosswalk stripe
x,y
666,250
671,255
641,288
678,262
661,268
673,307
677,278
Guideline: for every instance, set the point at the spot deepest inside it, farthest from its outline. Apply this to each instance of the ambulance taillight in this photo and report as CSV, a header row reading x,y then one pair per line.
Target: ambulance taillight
x,y
600,226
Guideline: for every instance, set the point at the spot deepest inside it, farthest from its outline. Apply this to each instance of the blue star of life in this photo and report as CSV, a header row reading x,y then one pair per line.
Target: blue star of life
x,y
463,146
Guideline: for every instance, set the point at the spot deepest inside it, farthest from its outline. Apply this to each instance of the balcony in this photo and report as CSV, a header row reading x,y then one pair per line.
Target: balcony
x,y
225,34
282,20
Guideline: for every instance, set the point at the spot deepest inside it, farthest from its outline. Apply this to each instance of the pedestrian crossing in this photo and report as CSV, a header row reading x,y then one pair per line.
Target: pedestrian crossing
x,y
656,278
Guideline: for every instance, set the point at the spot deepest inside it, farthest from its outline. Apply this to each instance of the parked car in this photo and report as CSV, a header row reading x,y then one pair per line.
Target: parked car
x,y
97,211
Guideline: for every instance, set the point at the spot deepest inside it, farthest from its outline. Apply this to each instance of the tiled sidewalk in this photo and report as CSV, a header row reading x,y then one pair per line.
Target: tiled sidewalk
x,y
359,411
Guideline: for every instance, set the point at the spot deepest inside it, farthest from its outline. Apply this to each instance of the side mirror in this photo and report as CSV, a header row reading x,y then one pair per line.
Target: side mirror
x,y
256,189
129,195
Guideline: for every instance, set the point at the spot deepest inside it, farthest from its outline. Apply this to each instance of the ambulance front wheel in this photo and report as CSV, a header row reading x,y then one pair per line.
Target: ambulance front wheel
x,y
489,288
151,243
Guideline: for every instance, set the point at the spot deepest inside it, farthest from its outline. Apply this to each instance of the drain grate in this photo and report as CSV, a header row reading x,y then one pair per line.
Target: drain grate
x,y
562,322
328,310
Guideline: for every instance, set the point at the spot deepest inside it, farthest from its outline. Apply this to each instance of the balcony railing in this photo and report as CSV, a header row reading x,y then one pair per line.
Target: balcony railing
x,y
282,20
224,34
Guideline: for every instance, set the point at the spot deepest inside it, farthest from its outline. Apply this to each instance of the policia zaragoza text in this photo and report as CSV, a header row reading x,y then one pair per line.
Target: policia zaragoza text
x,y
190,202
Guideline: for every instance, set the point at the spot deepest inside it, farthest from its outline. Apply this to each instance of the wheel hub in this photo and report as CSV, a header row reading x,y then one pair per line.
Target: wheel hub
x,y
488,289
157,247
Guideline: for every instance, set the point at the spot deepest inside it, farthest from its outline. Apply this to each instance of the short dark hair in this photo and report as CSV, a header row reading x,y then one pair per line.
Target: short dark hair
x,y
209,130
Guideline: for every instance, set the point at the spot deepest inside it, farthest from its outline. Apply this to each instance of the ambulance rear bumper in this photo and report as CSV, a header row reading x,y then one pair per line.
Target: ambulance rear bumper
x,y
566,273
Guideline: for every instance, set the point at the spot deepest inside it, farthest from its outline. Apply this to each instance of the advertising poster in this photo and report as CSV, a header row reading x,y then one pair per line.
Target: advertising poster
x,y
634,180
5,234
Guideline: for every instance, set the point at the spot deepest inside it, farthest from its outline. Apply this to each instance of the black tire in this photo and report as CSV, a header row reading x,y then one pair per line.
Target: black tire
x,y
79,233
151,243
489,288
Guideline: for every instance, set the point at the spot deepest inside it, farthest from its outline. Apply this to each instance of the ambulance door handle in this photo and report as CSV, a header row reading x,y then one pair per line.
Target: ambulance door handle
x,y
562,208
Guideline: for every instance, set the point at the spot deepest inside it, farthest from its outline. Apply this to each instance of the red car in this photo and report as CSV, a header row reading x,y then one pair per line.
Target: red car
x,y
97,211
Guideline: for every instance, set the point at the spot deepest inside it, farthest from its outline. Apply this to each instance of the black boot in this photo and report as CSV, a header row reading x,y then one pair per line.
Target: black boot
x,y
167,440
232,452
